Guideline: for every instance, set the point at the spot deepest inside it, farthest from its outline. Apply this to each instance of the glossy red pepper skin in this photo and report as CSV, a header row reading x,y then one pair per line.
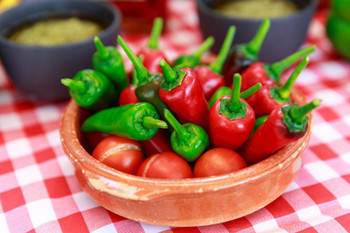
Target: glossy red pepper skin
x,y
158,144
262,102
151,58
187,100
128,96
254,74
209,80
229,133
268,138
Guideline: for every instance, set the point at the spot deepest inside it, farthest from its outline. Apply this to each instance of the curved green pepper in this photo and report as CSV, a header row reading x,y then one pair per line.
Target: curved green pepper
x,y
135,121
187,140
91,90
109,61
342,9
338,31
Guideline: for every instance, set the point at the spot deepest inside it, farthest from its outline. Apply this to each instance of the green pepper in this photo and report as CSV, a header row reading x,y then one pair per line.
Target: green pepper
x,y
135,121
190,61
109,61
187,140
91,90
342,9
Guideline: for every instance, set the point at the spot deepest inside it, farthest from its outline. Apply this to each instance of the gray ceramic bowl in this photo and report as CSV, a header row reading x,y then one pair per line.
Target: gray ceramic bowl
x,y
37,70
285,36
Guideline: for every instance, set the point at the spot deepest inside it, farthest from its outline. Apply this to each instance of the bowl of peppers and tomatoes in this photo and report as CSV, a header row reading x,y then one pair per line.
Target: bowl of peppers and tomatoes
x,y
174,143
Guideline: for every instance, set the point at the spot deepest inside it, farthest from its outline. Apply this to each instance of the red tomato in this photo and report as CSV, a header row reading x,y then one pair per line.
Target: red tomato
x,y
94,138
128,96
166,165
119,153
218,161
158,144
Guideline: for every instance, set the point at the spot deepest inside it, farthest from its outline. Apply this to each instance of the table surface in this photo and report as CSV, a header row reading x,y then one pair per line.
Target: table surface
x,y
39,192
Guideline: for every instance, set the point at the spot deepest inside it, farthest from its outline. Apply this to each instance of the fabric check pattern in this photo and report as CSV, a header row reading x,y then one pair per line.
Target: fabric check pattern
x,y
39,192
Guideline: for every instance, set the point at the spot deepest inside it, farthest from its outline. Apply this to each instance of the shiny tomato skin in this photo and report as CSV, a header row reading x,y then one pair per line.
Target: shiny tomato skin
x,y
119,153
218,161
166,165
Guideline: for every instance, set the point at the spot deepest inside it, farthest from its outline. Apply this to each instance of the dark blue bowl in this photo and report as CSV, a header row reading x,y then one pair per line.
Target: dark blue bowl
x,y
37,70
285,36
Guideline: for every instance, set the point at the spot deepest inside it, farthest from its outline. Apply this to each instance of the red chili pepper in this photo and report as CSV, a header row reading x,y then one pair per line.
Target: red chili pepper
x,y
158,144
268,98
269,75
183,94
283,126
151,54
231,119
209,76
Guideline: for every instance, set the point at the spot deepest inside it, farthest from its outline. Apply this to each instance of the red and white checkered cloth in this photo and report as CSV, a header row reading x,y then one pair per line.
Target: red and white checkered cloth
x,y
39,192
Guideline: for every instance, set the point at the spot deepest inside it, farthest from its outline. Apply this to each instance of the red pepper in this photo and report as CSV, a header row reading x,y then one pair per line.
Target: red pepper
x,y
268,98
269,75
151,54
209,76
183,94
283,126
231,119
158,144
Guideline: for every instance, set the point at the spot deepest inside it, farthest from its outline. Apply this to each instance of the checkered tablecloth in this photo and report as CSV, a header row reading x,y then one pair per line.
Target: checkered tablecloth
x,y
39,192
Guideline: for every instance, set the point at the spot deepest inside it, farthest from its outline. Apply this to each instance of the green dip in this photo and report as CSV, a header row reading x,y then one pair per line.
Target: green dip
x,y
56,31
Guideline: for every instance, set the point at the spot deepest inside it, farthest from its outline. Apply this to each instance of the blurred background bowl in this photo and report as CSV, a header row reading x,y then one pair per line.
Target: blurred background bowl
x,y
37,70
285,36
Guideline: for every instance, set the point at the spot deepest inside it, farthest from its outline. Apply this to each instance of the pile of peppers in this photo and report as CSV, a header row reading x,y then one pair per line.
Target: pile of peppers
x,y
182,115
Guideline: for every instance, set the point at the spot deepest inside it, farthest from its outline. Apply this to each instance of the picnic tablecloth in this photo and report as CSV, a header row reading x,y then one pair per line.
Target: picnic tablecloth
x,y
39,192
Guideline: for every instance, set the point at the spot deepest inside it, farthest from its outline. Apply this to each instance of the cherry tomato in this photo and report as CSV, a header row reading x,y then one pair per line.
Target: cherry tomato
x,y
128,96
158,144
218,161
166,165
95,138
119,153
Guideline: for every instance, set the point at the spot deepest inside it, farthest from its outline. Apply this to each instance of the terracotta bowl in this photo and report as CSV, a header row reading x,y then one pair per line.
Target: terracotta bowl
x,y
187,202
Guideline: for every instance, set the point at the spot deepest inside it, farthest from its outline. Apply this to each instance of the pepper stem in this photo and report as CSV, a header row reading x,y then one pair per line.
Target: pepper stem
x,y
78,86
234,101
247,93
183,133
204,47
156,31
284,91
255,44
102,51
169,74
299,113
150,122
278,67
141,71
220,60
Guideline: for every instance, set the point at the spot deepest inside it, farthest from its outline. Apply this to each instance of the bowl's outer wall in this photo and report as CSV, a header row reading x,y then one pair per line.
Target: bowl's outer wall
x,y
285,36
38,70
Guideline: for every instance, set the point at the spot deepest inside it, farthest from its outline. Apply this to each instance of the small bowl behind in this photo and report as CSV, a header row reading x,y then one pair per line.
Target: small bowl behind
x,y
285,36
37,70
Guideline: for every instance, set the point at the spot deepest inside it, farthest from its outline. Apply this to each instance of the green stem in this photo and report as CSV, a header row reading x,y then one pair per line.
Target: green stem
x,y
234,101
278,67
150,122
182,132
219,62
247,93
142,72
255,44
169,74
204,47
78,86
102,51
284,91
299,113
156,31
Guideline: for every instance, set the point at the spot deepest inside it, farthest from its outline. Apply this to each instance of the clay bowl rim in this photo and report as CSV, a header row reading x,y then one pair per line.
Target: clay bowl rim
x,y
68,5
210,11
82,160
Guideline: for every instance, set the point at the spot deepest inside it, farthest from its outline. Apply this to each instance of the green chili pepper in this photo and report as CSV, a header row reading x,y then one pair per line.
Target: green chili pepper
x,y
187,140
135,121
91,90
109,61
190,61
